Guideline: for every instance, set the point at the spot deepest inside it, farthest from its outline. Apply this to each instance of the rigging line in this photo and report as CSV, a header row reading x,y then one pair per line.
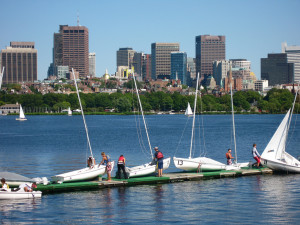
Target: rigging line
x,y
202,122
181,136
140,134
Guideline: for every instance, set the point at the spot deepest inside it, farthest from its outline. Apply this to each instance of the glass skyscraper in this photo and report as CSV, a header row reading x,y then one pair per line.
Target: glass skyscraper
x,y
179,66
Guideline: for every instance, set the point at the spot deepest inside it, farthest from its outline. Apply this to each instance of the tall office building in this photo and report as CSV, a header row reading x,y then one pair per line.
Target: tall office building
x,y
179,66
146,74
161,58
71,48
92,64
20,62
208,49
220,71
138,59
125,57
293,56
276,69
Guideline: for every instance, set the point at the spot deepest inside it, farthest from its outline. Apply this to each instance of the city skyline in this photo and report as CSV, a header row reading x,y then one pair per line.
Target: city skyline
x,y
252,28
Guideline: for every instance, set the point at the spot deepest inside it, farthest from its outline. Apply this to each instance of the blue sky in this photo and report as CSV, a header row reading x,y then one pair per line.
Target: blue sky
x,y
252,28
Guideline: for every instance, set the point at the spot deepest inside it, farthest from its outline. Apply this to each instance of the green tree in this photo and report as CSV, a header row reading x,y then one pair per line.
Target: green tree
x,y
123,104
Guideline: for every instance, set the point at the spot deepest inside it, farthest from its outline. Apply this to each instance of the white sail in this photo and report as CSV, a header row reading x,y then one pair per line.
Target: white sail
x,y
21,115
69,112
188,111
276,145
1,76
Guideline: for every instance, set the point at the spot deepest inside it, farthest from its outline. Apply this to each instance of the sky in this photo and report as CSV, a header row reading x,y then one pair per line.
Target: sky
x,y
253,28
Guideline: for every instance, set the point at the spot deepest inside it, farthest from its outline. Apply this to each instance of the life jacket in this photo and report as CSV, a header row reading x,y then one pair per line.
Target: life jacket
x,y
159,155
121,160
228,155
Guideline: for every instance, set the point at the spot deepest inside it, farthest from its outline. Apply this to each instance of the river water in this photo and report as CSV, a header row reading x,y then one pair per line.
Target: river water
x,y
49,145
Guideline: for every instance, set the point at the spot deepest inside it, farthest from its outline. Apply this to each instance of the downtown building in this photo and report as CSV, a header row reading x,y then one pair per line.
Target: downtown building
x,y
208,49
92,64
276,69
161,59
20,63
293,56
179,66
125,57
71,48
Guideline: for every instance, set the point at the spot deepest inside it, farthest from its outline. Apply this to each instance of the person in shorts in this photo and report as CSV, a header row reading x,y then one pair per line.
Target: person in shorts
x,y
160,161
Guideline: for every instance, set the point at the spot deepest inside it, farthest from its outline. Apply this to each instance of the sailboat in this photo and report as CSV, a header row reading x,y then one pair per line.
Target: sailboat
x,y
148,168
86,173
69,112
1,76
200,163
21,115
274,156
188,111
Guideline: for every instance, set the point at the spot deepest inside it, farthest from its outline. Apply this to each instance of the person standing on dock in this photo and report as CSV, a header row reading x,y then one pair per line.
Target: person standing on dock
x,y
229,157
256,155
121,166
160,161
107,161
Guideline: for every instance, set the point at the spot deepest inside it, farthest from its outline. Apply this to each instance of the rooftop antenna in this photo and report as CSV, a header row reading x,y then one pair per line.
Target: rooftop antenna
x,y
78,19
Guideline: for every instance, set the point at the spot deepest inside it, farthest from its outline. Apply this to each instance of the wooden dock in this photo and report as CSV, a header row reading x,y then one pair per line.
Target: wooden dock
x,y
167,178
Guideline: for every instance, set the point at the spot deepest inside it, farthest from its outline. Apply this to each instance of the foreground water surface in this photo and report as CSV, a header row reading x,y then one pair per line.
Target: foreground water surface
x,y
49,145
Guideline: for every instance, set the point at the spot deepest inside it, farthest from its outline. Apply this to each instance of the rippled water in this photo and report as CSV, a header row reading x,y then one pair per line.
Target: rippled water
x,y
48,145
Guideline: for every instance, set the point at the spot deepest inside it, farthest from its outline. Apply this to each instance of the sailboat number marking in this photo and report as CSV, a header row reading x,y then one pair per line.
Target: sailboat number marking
x,y
180,162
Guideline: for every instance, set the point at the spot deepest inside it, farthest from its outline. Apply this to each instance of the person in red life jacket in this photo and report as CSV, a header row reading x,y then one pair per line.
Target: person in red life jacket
x,y
106,160
160,161
121,166
256,155
229,157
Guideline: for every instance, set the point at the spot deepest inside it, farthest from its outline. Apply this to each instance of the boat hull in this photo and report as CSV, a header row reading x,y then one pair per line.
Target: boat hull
x,y
21,119
198,164
280,166
81,175
147,169
19,194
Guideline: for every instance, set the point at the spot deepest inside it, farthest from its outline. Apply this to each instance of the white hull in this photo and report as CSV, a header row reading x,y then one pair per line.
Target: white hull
x,y
289,164
81,175
204,164
147,169
21,119
19,194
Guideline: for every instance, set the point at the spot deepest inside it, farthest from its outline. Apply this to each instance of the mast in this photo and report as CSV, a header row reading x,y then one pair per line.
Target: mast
x,y
137,93
1,76
86,129
195,106
232,112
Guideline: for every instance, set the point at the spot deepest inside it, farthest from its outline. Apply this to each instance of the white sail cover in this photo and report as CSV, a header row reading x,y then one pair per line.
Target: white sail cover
x,y
22,116
188,111
276,146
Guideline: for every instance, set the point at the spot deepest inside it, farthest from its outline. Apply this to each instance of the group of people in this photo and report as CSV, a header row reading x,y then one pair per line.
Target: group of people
x,y
27,187
121,163
255,155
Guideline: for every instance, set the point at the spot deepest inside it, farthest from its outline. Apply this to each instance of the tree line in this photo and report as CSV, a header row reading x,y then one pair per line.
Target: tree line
x,y
276,101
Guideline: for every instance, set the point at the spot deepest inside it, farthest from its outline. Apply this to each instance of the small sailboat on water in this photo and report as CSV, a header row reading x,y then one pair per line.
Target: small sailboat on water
x,y
87,173
274,156
21,114
148,168
69,112
188,111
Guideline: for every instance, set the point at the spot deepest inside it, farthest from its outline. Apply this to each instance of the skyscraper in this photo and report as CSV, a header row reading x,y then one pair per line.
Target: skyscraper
x,y
125,57
71,48
92,64
293,56
179,66
20,62
161,58
276,69
208,49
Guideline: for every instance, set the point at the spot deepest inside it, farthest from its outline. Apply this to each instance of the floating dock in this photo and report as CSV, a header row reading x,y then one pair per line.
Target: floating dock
x,y
167,178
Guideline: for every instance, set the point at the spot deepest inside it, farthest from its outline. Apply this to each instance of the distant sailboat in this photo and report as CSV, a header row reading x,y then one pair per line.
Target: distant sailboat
x,y
69,112
188,111
21,115
1,76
